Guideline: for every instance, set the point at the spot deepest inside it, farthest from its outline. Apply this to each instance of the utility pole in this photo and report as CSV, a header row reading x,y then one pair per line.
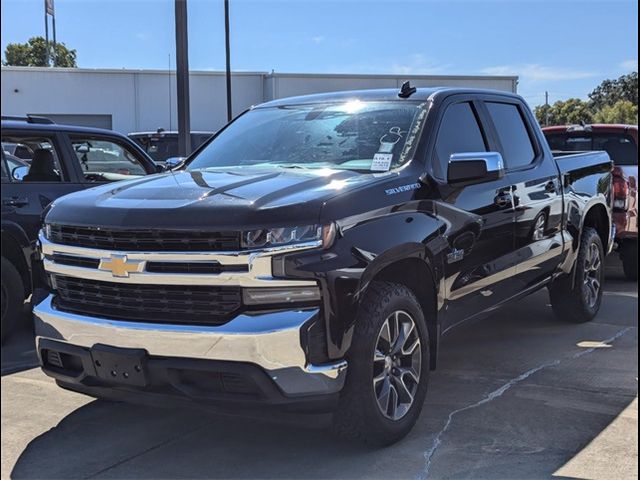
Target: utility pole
x,y
170,103
546,110
182,79
46,36
49,9
228,59
55,51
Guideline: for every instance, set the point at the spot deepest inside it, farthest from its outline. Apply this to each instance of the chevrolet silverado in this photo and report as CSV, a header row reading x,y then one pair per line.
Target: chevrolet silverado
x,y
313,253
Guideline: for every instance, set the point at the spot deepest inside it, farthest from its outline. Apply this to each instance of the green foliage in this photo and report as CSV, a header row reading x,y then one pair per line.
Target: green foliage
x,y
613,101
610,92
545,115
623,111
565,112
34,54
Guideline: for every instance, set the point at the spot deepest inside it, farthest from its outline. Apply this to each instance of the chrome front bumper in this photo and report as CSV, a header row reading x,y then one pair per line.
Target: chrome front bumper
x,y
268,340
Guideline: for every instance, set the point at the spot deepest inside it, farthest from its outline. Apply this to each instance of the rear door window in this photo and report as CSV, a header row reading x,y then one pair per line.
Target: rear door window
x,y
459,132
517,149
32,158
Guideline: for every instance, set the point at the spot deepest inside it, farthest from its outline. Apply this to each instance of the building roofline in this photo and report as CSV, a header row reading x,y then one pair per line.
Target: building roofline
x,y
394,76
264,74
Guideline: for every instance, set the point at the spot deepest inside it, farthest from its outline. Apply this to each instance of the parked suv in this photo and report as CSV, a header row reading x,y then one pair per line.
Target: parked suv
x,y
162,145
621,143
313,253
42,161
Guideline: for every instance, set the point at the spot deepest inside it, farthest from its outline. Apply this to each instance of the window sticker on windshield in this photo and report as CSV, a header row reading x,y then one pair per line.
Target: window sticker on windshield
x,y
381,162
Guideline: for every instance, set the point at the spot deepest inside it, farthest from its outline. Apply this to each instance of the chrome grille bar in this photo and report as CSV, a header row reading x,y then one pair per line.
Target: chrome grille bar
x,y
258,265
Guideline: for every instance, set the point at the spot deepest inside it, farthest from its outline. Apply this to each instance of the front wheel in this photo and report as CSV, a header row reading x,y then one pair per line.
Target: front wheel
x,y
388,367
581,301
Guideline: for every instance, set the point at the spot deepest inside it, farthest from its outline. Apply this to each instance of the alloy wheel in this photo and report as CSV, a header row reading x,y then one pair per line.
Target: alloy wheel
x,y
592,275
538,228
397,361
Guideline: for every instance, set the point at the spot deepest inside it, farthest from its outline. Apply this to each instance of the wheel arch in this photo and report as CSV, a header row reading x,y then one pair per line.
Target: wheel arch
x,y
597,217
13,249
416,274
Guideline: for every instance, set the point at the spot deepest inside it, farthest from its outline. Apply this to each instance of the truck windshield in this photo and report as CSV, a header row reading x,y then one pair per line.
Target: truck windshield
x,y
620,147
344,136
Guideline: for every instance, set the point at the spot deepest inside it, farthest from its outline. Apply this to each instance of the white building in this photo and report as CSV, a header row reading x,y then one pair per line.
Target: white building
x,y
138,100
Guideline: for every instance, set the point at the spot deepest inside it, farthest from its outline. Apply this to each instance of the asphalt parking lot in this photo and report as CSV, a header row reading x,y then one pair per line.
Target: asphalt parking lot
x,y
517,395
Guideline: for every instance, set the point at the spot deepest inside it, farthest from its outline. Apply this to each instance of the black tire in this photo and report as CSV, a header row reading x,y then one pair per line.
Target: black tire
x,y
629,257
359,415
12,298
580,304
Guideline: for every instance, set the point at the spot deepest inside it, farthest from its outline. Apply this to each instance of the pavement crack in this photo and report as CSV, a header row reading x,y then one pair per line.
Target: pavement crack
x,y
437,441
145,451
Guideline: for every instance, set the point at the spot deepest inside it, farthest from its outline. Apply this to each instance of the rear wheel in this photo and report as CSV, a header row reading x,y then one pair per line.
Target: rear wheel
x,y
12,298
388,367
629,257
580,303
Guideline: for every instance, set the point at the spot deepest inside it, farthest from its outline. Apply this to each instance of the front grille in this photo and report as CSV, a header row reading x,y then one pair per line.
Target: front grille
x,y
204,305
74,261
156,240
194,267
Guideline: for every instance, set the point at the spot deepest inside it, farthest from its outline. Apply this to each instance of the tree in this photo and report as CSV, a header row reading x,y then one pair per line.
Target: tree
x,y
623,111
545,115
34,54
565,112
609,92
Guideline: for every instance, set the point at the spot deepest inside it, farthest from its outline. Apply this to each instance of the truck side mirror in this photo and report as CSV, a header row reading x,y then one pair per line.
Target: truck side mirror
x,y
172,162
474,167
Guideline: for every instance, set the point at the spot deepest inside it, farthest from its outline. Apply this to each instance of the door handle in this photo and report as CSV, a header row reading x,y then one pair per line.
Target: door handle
x,y
503,200
550,187
15,202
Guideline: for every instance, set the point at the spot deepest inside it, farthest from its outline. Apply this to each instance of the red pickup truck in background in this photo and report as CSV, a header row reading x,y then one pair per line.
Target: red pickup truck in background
x,y
621,143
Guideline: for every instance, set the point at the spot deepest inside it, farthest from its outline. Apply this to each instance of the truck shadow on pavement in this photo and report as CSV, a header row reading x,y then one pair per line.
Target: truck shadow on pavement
x,y
532,427
19,353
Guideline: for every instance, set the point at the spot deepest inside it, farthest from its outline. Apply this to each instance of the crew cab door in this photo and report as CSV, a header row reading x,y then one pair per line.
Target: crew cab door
x,y
36,178
537,191
480,262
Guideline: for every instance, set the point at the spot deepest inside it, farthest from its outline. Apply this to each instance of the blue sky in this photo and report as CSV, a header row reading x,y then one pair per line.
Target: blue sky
x,y
565,47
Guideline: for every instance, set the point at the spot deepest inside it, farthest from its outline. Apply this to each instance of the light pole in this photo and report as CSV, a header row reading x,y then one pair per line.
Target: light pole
x,y
182,79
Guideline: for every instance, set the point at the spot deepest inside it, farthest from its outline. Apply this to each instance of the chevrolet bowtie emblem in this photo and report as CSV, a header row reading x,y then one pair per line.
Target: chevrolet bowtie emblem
x,y
119,266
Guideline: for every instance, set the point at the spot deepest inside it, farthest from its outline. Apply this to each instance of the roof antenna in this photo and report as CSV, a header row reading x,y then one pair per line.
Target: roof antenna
x,y
406,90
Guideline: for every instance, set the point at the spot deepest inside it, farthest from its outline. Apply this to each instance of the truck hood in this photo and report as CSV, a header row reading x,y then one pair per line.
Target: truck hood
x,y
233,198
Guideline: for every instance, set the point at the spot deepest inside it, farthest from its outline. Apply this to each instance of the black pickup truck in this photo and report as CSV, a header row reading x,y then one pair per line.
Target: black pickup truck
x,y
312,254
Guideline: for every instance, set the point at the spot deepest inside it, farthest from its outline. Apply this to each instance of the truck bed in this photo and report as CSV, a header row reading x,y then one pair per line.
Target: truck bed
x,y
572,162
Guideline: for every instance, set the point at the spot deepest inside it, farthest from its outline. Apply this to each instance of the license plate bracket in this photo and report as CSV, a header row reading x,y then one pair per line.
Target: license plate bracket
x,y
124,366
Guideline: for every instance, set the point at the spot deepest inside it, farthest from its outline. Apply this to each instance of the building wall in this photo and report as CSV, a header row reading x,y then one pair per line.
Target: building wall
x,y
137,100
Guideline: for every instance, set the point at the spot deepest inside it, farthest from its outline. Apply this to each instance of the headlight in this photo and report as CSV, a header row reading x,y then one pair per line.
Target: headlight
x,y
46,231
273,237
